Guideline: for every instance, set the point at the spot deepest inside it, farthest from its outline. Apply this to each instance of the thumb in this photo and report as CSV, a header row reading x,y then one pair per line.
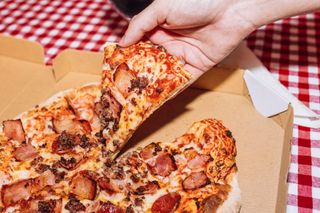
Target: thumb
x,y
144,22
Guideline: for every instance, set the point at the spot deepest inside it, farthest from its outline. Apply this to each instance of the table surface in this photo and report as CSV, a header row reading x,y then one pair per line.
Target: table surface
x,y
290,49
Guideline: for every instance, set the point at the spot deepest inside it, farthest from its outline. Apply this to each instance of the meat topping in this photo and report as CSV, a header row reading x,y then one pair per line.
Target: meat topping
x,y
69,163
65,142
83,187
74,205
150,150
47,206
195,180
13,129
108,207
110,111
25,152
163,165
166,203
123,78
198,161
149,188
140,83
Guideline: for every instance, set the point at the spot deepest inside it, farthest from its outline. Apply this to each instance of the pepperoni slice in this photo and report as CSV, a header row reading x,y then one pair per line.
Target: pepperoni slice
x,y
13,129
163,165
195,180
166,203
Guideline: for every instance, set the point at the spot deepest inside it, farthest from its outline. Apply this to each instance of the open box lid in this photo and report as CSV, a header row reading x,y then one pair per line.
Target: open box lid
x,y
26,81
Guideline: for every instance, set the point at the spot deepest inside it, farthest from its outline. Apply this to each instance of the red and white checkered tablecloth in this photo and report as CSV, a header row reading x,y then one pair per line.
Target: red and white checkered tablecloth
x,y
290,49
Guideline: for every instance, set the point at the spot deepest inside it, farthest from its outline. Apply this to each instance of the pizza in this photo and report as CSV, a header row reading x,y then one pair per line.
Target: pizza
x,y
194,173
60,155
135,82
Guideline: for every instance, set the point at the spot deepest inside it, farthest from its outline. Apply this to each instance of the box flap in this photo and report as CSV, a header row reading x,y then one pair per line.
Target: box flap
x,y
21,49
22,72
77,61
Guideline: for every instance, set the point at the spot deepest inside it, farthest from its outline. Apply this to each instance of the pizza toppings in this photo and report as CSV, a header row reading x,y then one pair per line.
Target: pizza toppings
x,y
139,83
74,205
13,129
66,124
69,163
65,142
110,110
50,206
25,152
150,150
22,190
195,180
149,188
83,187
15,192
198,162
164,164
166,203
108,207
111,185
123,78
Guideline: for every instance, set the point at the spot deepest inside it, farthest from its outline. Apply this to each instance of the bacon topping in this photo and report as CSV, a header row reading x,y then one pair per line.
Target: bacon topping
x,y
149,188
163,165
198,161
111,185
150,151
22,190
83,187
13,129
25,152
109,207
67,124
123,78
65,142
166,203
195,180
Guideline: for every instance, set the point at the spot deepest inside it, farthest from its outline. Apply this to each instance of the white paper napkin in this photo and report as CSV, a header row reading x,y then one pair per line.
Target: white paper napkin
x,y
269,96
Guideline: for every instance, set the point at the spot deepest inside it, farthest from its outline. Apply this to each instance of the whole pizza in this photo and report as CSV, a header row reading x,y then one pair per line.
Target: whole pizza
x,y
63,155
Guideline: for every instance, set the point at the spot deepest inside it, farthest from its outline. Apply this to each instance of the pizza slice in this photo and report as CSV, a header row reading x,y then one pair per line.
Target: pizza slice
x,y
197,172
135,82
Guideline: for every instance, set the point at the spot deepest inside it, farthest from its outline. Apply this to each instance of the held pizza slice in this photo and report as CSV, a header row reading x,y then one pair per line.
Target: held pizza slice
x,y
135,82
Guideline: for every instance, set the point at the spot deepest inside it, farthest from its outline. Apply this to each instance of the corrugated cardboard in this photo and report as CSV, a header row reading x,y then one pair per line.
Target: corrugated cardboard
x,y
263,143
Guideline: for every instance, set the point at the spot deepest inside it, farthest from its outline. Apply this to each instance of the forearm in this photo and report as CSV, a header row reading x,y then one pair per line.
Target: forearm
x,y
261,12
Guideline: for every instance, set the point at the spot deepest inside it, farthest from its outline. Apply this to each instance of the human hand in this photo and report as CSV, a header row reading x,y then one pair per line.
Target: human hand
x,y
203,32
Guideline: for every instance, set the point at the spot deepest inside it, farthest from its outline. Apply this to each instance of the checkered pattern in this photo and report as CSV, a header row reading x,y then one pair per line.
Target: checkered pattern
x,y
289,48
59,24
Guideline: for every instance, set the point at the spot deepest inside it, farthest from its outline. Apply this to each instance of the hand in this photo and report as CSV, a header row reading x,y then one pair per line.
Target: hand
x,y
203,32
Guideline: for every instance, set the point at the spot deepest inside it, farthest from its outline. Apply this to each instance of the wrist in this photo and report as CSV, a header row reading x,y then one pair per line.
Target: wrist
x,y
261,12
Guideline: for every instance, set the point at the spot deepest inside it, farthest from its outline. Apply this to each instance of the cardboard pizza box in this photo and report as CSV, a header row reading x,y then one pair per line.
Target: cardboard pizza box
x,y
263,144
